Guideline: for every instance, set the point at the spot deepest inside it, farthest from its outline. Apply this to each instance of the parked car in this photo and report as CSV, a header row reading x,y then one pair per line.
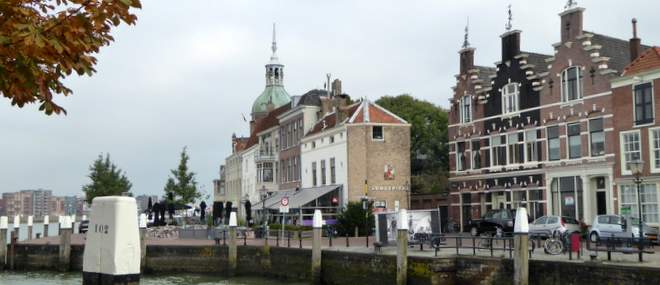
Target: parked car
x,y
607,226
548,226
493,219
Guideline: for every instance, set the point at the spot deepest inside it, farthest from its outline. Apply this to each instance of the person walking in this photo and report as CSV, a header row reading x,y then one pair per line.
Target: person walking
x,y
202,213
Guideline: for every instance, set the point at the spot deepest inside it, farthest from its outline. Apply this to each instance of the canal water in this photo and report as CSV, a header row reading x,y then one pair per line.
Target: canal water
x,y
49,278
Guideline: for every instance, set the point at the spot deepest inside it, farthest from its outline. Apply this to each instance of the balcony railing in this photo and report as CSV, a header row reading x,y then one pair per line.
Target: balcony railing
x,y
270,156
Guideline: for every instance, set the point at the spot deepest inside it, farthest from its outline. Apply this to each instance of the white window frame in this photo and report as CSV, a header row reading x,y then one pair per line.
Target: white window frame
x,y
466,103
652,149
590,136
458,156
534,144
547,138
624,164
634,104
564,85
568,140
516,98
493,150
634,203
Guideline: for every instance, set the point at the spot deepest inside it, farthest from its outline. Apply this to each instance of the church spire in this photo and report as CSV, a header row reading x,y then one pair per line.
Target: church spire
x,y
466,43
274,69
509,25
274,45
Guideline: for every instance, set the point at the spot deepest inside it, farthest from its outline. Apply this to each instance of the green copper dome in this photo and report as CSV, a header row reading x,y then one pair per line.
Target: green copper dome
x,y
272,94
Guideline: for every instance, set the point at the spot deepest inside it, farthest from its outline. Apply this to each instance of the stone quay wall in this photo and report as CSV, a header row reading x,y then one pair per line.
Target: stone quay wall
x,y
340,267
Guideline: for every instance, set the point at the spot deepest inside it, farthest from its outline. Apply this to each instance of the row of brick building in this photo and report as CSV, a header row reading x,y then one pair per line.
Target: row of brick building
x,y
556,132
320,150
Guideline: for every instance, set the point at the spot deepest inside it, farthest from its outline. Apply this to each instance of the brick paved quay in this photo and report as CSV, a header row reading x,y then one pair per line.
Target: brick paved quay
x,y
358,245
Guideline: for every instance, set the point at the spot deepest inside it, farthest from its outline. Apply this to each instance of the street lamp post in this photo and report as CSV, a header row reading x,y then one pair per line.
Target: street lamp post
x,y
264,195
637,167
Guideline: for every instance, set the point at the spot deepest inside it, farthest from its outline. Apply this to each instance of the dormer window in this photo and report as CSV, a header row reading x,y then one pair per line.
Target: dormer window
x,y
466,109
571,84
510,98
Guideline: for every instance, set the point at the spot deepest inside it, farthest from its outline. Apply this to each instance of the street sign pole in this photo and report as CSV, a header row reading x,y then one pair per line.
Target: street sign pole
x,y
284,208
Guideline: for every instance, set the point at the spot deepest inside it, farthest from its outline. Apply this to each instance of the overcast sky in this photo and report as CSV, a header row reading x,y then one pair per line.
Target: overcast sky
x,y
188,70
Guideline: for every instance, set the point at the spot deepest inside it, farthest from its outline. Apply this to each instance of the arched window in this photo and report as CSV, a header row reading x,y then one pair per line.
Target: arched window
x,y
510,98
571,84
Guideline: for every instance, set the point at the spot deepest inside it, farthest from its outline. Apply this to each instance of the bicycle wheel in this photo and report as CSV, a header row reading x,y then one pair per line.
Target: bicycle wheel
x,y
553,246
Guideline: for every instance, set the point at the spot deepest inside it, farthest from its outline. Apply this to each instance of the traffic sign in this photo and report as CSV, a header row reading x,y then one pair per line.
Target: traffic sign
x,y
285,201
284,209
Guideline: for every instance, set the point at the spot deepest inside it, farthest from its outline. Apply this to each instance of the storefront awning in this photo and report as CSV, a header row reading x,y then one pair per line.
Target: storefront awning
x,y
307,195
297,199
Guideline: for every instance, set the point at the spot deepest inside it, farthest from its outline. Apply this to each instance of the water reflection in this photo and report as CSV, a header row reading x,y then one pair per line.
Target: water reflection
x,y
52,278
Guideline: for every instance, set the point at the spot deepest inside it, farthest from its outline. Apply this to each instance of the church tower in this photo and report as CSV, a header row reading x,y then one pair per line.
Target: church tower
x,y
274,95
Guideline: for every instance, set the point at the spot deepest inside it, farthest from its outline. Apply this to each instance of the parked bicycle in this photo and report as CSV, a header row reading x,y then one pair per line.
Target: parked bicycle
x,y
556,244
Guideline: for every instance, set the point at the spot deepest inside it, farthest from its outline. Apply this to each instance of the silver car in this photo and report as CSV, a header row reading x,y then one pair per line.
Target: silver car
x,y
548,226
606,226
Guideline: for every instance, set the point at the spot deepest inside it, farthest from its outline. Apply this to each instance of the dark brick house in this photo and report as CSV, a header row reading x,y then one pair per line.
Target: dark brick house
x,y
494,149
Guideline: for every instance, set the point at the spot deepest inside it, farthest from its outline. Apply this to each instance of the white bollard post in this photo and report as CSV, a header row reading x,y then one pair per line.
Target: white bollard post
x,y
65,244
46,222
142,223
73,222
112,249
520,248
4,225
402,248
30,223
317,226
232,250
17,226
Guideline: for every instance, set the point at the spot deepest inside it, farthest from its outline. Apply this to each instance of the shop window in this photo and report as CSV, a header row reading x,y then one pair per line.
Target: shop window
x,y
649,197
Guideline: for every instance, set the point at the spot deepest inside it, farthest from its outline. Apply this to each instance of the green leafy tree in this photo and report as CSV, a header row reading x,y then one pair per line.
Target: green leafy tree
x,y
429,153
182,183
42,42
355,216
107,180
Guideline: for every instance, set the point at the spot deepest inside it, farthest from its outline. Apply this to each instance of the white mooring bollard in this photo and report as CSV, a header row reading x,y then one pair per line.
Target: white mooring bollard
x,y
317,227
520,248
46,222
30,223
402,248
3,241
112,249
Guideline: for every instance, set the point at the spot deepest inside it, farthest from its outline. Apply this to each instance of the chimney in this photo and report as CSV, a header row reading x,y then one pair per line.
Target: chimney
x,y
571,23
467,59
510,44
635,43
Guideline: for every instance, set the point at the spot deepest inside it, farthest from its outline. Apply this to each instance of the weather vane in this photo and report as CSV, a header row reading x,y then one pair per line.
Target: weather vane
x,y
508,25
570,4
466,44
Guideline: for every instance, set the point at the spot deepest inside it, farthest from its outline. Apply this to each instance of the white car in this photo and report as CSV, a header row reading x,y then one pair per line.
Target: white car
x,y
548,226
606,226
